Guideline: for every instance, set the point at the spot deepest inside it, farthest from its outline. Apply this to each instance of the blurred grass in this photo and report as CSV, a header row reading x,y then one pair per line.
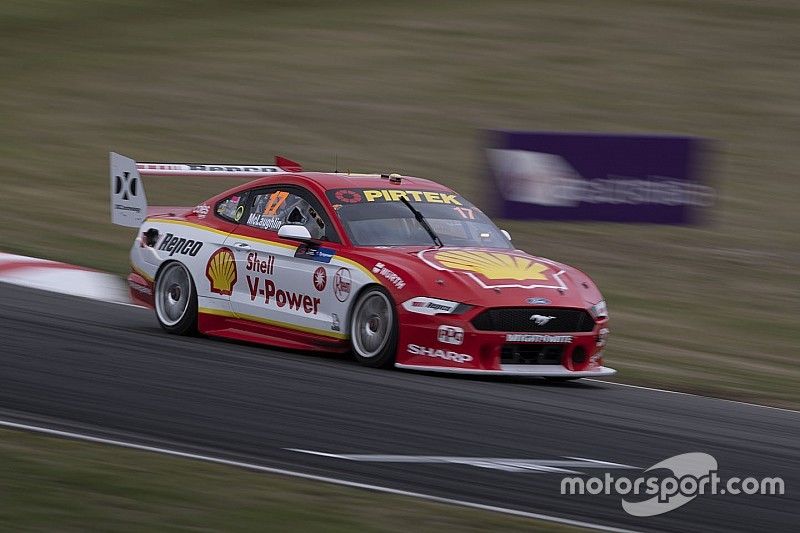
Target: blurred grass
x,y
53,484
403,86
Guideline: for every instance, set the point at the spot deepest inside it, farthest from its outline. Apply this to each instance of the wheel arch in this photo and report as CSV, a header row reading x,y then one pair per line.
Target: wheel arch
x,y
395,315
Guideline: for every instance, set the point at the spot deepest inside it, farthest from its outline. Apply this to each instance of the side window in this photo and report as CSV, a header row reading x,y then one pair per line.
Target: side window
x,y
273,208
232,207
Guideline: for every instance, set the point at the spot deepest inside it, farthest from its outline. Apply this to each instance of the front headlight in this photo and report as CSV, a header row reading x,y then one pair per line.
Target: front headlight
x,y
599,310
434,306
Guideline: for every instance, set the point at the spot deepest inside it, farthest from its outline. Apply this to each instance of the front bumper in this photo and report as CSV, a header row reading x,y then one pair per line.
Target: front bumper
x,y
421,346
545,371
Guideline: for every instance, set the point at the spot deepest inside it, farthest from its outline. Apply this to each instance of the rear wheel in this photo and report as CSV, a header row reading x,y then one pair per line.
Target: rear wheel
x,y
176,300
373,328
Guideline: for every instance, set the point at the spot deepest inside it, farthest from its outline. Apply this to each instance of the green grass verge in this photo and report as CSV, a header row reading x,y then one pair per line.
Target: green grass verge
x,y
53,484
403,86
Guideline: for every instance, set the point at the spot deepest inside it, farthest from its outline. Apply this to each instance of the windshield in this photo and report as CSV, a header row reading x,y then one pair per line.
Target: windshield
x,y
375,217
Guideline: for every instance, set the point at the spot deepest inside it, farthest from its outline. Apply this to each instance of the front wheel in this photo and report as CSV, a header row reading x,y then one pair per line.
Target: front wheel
x,y
176,300
373,328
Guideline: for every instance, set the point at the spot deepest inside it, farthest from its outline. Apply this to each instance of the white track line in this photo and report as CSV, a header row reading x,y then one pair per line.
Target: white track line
x,y
324,479
690,394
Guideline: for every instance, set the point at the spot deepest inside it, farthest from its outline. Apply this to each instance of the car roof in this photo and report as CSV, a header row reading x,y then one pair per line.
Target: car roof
x,y
342,180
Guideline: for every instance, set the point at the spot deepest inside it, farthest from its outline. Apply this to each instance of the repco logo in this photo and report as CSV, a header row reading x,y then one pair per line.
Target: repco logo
x,y
179,245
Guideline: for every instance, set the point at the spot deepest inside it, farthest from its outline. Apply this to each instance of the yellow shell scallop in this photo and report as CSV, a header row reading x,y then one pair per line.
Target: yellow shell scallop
x,y
493,265
221,271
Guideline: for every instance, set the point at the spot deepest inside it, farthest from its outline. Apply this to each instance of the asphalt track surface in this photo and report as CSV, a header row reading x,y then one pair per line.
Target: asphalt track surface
x,y
108,370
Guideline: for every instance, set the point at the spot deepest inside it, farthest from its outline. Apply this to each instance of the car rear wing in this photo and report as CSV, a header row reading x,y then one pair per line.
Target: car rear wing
x,y
128,199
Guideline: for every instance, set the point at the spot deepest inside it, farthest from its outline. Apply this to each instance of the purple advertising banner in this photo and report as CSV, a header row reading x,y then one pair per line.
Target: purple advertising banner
x,y
603,177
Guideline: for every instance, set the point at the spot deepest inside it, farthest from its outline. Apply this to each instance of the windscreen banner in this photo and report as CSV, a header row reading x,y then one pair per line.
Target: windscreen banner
x,y
599,177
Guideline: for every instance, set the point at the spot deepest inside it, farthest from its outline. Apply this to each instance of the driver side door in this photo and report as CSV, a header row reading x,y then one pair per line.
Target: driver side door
x,y
285,281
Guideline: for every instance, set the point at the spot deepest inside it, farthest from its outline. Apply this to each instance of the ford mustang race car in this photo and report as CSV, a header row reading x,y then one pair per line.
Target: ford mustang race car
x,y
398,270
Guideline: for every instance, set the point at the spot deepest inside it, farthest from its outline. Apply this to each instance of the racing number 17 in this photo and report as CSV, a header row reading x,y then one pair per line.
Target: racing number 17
x,y
276,200
465,212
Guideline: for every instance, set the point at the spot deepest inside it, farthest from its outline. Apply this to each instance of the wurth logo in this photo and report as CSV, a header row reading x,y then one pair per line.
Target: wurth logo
x,y
390,276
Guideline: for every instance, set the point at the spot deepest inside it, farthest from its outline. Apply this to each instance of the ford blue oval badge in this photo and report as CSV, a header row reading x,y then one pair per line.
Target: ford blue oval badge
x,y
538,301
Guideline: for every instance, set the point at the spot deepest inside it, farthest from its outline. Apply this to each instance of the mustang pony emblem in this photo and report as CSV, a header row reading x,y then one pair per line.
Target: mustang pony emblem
x,y
541,320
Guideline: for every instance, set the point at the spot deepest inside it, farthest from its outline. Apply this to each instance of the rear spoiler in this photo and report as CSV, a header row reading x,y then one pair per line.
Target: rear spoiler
x,y
128,199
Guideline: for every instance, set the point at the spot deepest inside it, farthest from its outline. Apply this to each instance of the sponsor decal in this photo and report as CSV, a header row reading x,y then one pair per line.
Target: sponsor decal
x,y
497,269
537,301
429,306
342,284
256,264
160,166
461,358
347,196
179,245
541,320
264,222
538,339
221,272
335,322
320,279
126,187
390,276
450,335
120,207
138,287
201,211
393,195
230,168
315,253
295,301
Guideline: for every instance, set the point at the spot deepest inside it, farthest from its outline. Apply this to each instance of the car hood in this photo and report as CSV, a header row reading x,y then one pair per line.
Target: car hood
x,y
485,277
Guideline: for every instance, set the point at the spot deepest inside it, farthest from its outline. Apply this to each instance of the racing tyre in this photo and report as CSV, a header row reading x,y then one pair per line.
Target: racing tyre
x,y
373,328
176,300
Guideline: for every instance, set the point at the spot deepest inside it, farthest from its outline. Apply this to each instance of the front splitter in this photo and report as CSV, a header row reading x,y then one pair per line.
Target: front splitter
x,y
546,371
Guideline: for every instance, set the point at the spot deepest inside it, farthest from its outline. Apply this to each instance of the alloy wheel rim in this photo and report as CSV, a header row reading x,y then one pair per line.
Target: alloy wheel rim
x,y
372,322
173,291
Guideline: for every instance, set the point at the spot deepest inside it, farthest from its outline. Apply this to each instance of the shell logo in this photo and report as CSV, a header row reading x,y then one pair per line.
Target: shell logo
x,y
221,271
497,269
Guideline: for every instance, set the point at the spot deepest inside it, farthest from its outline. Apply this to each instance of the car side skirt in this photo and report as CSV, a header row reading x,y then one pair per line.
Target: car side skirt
x,y
225,324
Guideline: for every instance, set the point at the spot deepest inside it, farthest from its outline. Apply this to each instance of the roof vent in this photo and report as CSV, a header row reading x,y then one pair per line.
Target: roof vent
x,y
393,178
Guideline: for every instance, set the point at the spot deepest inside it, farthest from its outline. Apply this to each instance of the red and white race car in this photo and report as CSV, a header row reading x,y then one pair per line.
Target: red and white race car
x,y
399,270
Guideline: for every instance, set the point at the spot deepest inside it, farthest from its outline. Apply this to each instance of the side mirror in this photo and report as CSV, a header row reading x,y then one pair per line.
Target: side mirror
x,y
506,234
295,232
